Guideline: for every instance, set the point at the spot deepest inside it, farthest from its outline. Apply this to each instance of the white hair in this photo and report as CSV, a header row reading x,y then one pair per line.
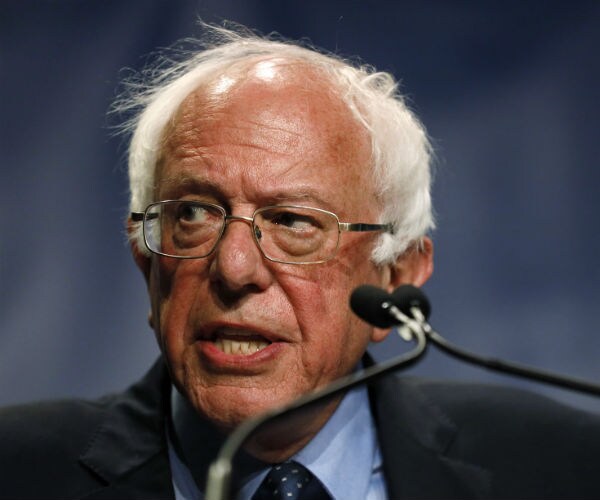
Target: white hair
x,y
401,151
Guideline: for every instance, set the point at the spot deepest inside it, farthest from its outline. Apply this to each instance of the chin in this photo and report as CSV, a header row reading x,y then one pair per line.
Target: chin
x,y
228,406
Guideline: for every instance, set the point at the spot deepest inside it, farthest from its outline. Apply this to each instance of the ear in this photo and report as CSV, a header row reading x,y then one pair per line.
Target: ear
x,y
139,256
413,267
142,259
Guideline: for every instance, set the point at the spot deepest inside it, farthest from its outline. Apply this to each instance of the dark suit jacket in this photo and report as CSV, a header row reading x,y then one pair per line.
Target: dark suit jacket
x,y
439,440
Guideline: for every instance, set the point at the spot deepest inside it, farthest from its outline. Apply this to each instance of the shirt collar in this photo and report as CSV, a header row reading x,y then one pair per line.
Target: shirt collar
x,y
344,454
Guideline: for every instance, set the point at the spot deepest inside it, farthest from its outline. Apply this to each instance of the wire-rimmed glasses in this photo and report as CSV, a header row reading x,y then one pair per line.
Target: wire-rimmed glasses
x,y
289,234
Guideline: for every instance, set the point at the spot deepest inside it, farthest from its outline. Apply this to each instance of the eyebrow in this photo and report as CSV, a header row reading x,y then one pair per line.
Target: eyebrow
x,y
176,186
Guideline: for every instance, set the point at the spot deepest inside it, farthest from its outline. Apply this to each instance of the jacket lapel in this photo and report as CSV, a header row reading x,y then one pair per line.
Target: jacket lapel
x,y
414,436
128,451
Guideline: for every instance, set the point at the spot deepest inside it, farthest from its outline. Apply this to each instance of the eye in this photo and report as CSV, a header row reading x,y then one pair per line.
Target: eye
x,y
191,213
294,220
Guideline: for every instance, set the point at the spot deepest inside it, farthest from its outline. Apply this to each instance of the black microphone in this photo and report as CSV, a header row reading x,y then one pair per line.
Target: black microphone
x,y
405,297
372,304
414,303
385,310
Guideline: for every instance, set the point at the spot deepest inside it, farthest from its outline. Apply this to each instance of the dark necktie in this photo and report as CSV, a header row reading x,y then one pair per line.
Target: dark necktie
x,y
290,481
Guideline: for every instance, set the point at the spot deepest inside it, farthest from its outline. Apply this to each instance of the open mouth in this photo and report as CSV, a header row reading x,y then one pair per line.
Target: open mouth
x,y
238,342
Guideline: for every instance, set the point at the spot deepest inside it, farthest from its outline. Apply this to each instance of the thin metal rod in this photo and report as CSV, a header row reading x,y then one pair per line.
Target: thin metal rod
x,y
513,368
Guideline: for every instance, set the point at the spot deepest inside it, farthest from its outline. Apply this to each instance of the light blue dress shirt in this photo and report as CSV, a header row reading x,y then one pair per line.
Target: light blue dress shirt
x,y
344,455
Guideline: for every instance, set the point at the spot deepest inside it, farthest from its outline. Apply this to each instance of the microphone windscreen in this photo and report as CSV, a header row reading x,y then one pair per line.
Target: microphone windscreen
x,y
367,300
407,296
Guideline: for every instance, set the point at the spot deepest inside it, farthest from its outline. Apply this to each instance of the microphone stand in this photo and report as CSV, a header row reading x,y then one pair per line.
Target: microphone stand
x,y
499,365
219,473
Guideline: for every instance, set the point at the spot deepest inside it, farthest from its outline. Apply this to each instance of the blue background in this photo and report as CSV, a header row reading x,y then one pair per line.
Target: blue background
x,y
507,89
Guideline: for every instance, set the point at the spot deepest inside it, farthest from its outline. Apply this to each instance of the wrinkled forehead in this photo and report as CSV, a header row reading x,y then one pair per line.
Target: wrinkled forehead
x,y
292,93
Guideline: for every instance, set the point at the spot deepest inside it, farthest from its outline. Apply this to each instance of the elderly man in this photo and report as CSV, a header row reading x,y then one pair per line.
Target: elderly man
x,y
267,182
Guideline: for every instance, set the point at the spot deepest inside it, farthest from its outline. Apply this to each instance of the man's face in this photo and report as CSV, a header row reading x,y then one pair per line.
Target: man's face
x,y
274,138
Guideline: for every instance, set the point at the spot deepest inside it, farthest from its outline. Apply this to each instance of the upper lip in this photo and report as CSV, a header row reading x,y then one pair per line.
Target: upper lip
x,y
209,331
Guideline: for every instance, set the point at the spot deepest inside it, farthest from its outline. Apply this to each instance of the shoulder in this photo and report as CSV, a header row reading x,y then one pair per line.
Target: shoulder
x,y
528,442
41,446
509,408
501,411
68,423
50,429
58,425
65,448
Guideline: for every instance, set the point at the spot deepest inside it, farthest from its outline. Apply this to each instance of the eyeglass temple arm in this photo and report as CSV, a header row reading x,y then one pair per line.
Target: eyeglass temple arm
x,y
139,216
362,227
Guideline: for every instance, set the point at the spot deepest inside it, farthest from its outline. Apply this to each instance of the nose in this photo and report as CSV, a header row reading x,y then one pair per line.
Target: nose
x,y
237,264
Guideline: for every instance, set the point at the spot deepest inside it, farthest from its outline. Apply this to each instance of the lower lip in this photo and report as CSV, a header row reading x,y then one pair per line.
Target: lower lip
x,y
212,355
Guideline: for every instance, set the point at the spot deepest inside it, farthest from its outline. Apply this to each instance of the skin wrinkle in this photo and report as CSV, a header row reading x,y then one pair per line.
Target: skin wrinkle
x,y
197,188
186,186
205,99
266,145
306,307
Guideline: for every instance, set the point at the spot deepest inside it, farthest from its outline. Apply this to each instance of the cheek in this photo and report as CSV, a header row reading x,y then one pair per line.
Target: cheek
x,y
174,289
333,339
316,296
323,292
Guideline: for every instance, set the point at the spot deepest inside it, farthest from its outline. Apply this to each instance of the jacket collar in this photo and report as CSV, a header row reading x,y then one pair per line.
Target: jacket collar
x,y
128,451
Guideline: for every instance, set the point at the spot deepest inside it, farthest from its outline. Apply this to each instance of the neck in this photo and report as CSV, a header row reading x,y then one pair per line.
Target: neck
x,y
279,439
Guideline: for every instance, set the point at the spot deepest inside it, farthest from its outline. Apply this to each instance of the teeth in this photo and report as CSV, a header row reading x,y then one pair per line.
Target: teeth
x,y
239,347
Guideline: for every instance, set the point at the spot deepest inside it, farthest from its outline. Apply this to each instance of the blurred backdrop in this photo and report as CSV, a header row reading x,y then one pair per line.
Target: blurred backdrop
x,y
507,89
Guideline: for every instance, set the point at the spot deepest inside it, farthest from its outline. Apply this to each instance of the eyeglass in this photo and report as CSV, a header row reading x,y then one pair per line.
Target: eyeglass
x,y
287,234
